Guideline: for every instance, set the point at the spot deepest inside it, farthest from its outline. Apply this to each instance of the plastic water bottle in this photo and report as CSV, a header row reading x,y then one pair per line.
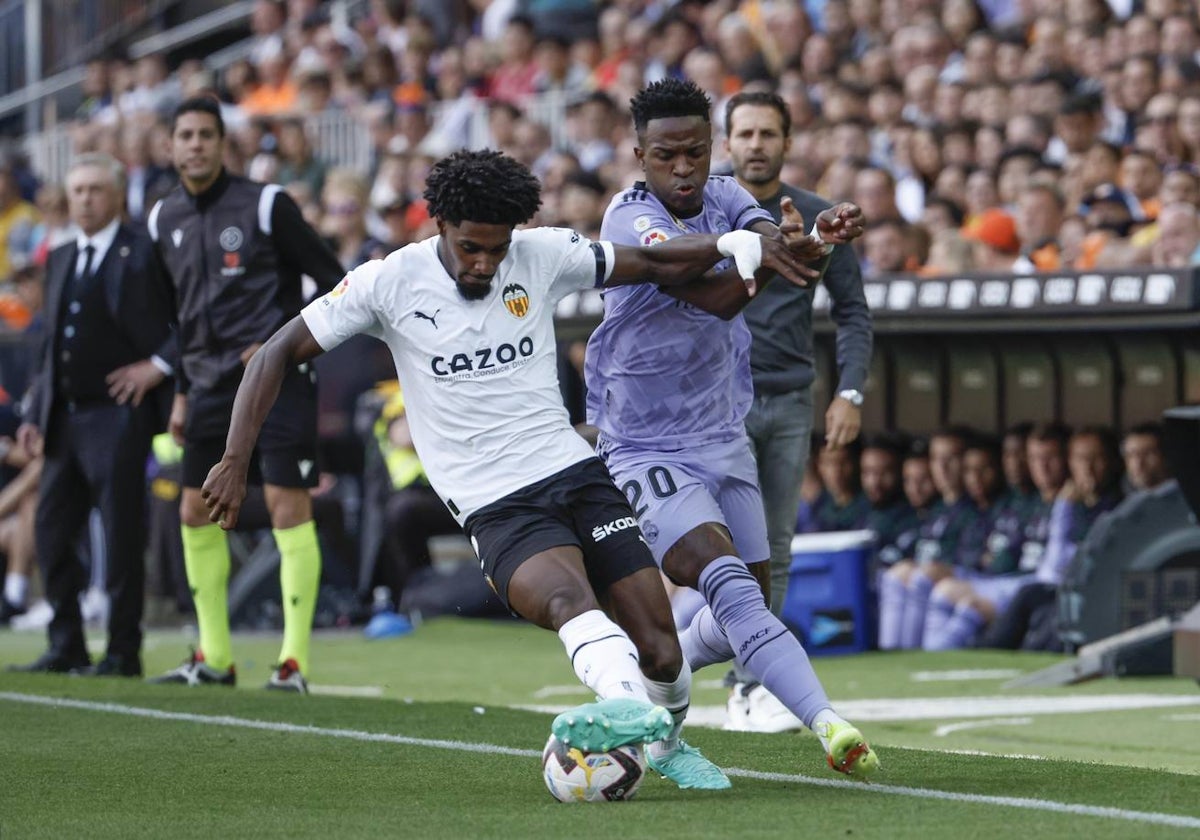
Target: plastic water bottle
x,y
385,622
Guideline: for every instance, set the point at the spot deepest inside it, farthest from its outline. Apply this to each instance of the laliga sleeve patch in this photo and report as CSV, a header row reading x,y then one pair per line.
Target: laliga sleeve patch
x,y
654,237
641,223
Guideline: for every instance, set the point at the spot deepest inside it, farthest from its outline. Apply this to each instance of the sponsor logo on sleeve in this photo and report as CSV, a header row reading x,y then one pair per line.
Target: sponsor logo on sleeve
x,y
654,237
641,223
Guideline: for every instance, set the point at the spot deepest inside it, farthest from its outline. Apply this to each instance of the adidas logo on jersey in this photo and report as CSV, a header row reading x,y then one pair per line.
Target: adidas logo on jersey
x,y
616,526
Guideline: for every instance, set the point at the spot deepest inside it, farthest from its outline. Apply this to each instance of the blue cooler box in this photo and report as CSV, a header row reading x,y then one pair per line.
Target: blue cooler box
x,y
828,600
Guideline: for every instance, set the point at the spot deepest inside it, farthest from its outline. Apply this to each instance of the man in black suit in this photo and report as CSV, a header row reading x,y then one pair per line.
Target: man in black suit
x,y
94,407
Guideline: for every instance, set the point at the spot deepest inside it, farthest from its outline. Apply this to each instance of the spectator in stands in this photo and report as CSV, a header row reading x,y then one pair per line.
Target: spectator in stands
x,y
56,226
890,516
267,20
1142,453
841,505
1015,459
905,587
1110,213
1178,244
949,253
886,248
18,219
1157,131
147,181
1039,216
515,79
297,162
1141,176
996,244
345,223
1028,619
275,92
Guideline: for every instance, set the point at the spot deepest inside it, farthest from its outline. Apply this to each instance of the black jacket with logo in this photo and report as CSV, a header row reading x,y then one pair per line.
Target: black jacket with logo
x,y
235,255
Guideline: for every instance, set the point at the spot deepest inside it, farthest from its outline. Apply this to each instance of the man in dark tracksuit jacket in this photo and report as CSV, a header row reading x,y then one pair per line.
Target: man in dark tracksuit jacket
x,y
235,252
780,420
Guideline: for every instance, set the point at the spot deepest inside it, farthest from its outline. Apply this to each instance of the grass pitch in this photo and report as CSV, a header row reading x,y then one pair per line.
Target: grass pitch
x,y
439,744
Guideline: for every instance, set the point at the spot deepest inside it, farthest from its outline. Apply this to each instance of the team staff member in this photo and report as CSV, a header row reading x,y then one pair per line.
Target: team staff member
x,y
235,251
780,320
94,407
780,420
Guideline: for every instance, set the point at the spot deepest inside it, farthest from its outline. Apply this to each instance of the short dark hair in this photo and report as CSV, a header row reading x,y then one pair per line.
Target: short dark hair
x,y
1150,428
201,105
668,98
1051,433
484,186
759,97
889,442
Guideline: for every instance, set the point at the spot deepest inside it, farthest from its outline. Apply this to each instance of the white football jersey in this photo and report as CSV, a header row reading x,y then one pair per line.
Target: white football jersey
x,y
480,378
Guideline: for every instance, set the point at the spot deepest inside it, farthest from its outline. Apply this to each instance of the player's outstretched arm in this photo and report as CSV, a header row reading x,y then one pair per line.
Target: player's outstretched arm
x,y
225,487
686,258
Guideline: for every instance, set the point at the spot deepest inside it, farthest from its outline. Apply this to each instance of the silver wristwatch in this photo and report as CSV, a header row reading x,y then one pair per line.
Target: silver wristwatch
x,y
855,398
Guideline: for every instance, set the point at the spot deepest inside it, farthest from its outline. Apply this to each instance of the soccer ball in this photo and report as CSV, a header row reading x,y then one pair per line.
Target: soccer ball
x,y
572,775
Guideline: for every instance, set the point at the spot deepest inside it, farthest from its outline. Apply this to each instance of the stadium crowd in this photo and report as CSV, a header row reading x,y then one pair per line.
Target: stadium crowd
x,y
976,135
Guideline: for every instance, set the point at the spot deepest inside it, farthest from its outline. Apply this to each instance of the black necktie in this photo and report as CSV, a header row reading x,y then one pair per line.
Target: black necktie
x,y
88,253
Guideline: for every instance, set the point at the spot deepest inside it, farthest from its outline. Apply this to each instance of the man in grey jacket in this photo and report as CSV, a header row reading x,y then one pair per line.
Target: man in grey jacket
x,y
780,421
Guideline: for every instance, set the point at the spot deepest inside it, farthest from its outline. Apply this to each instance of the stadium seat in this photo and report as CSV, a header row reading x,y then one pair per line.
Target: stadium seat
x,y
974,394
1030,382
1149,378
919,386
1088,390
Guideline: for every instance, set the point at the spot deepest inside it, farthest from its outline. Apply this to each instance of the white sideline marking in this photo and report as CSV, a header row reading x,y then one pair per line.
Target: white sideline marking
x,y
346,690
984,753
1025,803
556,690
943,731
1181,717
965,674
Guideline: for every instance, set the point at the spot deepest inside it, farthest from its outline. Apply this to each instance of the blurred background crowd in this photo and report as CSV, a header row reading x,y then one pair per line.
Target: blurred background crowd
x,y
977,135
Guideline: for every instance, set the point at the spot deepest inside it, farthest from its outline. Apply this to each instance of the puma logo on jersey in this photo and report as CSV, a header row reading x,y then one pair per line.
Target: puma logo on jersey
x,y
430,318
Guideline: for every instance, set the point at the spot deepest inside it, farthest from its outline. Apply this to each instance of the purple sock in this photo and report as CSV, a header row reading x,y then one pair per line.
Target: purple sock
x,y
937,615
704,642
759,640
916,600
891,611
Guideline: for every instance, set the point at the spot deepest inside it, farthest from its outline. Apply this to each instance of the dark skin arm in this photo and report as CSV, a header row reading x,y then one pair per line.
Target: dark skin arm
x,y
685,258
724,294
225,487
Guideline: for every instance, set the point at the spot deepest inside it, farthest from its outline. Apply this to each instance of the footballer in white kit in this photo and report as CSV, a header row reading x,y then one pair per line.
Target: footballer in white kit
x,y
468,316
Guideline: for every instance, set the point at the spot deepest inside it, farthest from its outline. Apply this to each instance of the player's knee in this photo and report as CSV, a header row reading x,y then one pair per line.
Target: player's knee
x,y
288,506
192,510
565,602
902,571
948,590
661,658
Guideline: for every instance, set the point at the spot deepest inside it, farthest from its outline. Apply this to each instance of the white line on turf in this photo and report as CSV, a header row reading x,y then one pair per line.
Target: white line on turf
x,y
557,690
1024,803
1023,756
346,690
1181,717
965,674
943,731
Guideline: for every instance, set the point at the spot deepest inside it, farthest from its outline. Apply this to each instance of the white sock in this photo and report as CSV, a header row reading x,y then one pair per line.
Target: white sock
x,y
604,658
674,697
16,588
825,716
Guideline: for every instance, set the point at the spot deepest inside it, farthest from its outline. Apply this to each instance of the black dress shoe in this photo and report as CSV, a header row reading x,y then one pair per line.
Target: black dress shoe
x,y
52,662
114,666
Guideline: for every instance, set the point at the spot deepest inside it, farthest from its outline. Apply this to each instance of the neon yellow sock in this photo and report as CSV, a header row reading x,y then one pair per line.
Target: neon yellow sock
x,y
299,578
206,559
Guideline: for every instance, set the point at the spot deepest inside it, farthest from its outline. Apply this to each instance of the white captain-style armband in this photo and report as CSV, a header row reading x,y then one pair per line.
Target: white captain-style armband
x,y
746,249
827,247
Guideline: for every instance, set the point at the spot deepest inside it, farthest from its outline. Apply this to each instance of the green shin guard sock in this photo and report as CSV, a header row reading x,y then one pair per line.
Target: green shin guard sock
x,y
206,559
299,578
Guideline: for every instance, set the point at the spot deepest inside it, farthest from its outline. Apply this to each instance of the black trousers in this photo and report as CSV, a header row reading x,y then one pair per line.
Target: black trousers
x,y
413,515
1016,628
95,457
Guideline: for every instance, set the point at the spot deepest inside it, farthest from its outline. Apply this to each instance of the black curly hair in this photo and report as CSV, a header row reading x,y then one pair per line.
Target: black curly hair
x,y
484,186
668,98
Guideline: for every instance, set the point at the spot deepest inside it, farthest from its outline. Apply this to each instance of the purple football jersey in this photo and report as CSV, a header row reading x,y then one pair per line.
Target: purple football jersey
x,y
660,371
